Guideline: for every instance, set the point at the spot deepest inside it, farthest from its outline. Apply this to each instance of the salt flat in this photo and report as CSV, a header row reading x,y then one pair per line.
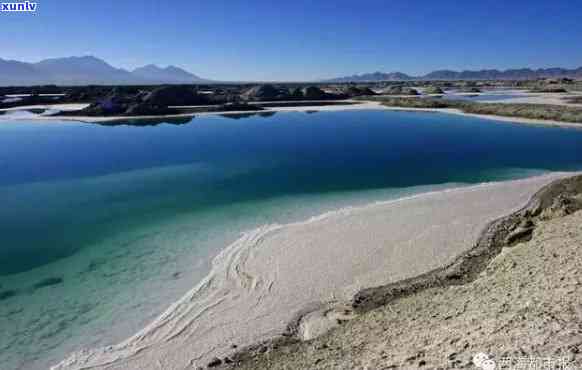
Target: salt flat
x,y
270,275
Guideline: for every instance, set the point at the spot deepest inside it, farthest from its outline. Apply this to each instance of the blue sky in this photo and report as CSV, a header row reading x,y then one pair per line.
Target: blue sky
x,y
300,39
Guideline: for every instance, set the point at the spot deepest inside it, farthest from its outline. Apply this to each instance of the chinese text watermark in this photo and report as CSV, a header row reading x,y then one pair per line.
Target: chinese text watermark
x,y
484,362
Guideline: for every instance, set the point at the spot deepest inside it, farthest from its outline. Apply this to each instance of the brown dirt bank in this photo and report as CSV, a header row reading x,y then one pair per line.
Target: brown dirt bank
x,y
533,111
517,293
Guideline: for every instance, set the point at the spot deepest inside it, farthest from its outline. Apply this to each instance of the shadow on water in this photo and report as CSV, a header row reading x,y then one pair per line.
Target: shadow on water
x,y
47,282
149,121
247,115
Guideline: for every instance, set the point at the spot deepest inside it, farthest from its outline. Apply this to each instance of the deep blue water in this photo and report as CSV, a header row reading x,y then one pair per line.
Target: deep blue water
x,y
98,221
284,154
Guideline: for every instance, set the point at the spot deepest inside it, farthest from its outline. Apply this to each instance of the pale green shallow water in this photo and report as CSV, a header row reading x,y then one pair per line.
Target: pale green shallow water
x,y
101,228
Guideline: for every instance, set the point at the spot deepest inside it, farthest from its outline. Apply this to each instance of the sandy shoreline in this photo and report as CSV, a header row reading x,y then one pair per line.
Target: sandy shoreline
x,y
271,275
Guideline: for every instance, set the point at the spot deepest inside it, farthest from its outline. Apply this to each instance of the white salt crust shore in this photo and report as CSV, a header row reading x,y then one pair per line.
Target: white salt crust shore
x,y
262,281
347,106
367,105
540,122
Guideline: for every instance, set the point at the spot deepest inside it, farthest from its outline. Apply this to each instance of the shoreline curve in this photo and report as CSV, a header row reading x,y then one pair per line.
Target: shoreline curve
x,y
360,105
175,324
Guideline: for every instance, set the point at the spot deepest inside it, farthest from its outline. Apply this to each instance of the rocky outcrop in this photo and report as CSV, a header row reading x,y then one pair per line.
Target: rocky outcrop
x,y
174,96
115,103
265,92
296,93
135,102
159,100
313,92
400,90
353,91
433,90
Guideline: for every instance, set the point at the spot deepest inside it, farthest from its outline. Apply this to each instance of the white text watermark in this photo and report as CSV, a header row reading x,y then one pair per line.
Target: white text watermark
x,y
24,7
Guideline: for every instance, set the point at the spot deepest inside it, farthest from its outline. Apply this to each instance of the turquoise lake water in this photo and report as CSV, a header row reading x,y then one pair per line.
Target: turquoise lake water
x,y
102,227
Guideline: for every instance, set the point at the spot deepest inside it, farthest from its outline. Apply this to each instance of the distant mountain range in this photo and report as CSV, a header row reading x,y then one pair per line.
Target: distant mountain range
x,y
88,70
486,74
